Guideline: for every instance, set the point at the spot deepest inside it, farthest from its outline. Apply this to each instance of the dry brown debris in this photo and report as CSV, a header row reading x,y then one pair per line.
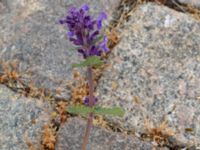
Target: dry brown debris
x,y
80,90
195,12
10,76
61,109
113,37
30,90
30,145
9,72
159,134
99,121
49,137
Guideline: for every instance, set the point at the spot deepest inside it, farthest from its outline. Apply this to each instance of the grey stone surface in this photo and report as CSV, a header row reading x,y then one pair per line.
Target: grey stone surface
x,y
154,73
21,120
30,33
12,5
2,8
195,3
70,137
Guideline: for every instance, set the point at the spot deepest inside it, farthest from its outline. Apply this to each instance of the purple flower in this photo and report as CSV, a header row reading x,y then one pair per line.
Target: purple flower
x,y
84,31
103,44
85,7
101,17
70,34
86,100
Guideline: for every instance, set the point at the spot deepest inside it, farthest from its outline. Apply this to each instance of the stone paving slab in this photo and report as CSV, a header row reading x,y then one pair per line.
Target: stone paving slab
x,y
30,33
70,137
21,120
154,73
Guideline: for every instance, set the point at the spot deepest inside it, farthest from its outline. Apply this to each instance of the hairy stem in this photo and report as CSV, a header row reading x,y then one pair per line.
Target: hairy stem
x,y
91,115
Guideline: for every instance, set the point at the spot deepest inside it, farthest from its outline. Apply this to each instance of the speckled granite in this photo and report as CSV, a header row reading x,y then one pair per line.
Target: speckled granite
x,y
195,3
30,32
154,73
21,120
70,137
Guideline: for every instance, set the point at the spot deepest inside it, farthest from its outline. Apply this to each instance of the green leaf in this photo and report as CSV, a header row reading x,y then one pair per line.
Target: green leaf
x,y
79,109
115,111
84,110
92,61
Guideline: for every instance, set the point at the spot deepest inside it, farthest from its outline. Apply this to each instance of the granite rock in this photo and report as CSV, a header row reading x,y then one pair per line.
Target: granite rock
x,y
154,73
70,137
30,33
13,5
195,3
21,120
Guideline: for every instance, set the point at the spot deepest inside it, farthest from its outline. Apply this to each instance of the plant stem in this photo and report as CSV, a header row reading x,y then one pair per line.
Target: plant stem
x,y
91,115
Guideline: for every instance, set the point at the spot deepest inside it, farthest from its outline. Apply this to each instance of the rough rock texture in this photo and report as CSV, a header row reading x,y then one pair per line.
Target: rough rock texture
x,y
70,137
30,33
21,120
154,73
195,3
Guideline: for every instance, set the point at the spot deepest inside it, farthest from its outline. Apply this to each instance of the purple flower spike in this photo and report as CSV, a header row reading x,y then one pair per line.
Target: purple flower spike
x,y
84,31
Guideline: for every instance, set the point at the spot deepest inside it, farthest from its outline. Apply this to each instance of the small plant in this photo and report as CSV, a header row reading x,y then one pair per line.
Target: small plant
x,y
85,33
